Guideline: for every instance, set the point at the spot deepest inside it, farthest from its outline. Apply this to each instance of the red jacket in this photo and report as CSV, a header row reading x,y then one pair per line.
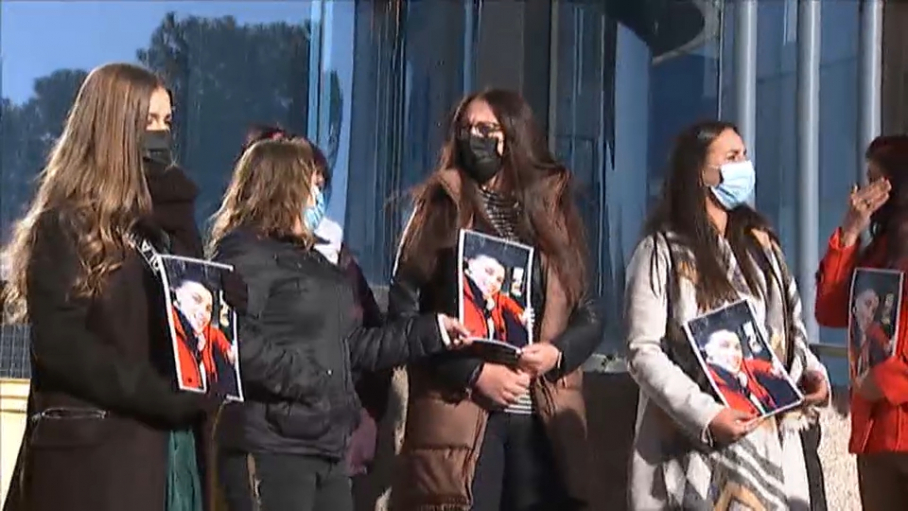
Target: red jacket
x,y
474,318
880,426
189,368
735,398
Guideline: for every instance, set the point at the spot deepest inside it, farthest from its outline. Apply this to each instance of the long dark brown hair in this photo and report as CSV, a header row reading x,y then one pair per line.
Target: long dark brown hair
x,y
530,174
890,154
682,211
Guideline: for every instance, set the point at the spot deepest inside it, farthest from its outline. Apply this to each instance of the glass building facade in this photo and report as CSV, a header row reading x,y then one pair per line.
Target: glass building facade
x,y
374,82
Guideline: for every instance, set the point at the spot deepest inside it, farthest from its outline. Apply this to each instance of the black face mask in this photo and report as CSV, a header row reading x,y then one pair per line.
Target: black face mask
x,y
479,157
156,147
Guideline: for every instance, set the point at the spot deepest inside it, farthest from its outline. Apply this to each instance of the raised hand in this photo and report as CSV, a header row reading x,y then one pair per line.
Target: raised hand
x,y
863,203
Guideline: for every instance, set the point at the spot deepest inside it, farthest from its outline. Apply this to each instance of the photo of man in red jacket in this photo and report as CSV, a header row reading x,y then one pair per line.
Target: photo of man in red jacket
x,y
740,364
488,311
873,319
740,380
202,329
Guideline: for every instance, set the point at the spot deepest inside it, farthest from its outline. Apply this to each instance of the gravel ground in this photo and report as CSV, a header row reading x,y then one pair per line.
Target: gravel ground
x,y
838,465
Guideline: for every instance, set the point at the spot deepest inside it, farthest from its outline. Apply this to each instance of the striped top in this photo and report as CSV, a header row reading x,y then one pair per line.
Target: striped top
x,y
504,213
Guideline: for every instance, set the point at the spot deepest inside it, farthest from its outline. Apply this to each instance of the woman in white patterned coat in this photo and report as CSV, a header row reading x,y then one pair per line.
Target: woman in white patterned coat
x,y
705,247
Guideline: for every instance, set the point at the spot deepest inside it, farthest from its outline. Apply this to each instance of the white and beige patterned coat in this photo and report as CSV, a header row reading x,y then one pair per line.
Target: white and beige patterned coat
x,y
674,464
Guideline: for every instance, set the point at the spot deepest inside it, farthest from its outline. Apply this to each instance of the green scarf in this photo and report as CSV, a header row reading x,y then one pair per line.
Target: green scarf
x,y
184,486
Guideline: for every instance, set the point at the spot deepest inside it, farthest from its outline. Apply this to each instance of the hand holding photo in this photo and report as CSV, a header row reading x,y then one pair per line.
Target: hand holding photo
x,y
494,279
539,358
740,365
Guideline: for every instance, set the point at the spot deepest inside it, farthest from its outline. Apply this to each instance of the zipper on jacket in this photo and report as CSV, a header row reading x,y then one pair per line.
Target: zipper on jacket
x,y
68,413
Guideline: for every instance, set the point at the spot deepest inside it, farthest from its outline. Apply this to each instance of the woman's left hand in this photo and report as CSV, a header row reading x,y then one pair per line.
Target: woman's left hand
x,y
867,388
539,358
815,388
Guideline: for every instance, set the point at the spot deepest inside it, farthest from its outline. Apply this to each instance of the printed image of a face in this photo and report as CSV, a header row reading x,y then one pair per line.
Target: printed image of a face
x,y
723,348
487,273
195,302
866,304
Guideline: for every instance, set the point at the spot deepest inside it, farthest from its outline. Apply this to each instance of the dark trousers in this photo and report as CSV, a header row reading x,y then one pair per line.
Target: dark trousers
x,y
810,441
883,479
516,468
283,482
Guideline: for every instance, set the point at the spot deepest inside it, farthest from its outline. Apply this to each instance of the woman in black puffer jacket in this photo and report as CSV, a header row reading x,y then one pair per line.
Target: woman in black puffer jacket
x,y
373,388
301,341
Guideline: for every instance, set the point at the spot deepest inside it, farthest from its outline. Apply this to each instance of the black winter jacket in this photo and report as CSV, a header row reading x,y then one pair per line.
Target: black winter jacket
x,y
300,343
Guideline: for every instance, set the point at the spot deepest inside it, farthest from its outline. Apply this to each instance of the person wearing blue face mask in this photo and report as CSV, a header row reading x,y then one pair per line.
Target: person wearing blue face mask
x,y
705,247
370,384
372,387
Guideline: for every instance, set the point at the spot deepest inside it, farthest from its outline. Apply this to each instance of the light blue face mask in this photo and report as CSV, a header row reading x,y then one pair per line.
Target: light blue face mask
x,y
738,181
316,213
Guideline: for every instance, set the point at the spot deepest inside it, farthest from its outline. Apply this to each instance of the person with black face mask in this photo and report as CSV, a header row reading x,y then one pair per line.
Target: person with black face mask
x,y
173,229
481,435
108,429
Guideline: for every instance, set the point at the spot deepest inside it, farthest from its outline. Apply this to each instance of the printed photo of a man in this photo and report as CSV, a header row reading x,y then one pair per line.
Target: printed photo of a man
x,y
739,364
873,321
203,328
751,385
488,312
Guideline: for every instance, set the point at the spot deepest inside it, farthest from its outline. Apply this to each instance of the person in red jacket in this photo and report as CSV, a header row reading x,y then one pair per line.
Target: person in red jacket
x,y
870,341
879,398
196,336
742,382
489,313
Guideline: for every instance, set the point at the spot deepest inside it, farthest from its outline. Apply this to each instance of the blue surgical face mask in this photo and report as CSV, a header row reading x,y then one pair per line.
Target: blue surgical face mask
x,y
316,213
737,186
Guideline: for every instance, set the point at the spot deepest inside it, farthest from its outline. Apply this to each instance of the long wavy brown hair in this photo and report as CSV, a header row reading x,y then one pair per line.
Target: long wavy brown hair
x,y
541,185
93,179
268,191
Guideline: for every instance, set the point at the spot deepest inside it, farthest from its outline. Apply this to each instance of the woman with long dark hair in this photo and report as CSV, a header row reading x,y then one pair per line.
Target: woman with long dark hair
x,y
302,341
705,247
879,397
483,435
107,430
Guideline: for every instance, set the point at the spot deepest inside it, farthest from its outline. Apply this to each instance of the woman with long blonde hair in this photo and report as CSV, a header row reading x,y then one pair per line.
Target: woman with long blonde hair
x,y
107,428
303,339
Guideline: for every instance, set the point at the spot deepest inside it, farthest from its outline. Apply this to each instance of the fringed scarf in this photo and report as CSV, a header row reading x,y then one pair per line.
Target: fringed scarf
x,y
764,470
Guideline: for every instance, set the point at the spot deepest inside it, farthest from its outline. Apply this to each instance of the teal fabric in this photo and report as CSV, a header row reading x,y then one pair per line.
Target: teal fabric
x,y
184,486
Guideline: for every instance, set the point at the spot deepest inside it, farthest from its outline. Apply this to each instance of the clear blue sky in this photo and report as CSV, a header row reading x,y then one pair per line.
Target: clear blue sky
x,y
39,36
